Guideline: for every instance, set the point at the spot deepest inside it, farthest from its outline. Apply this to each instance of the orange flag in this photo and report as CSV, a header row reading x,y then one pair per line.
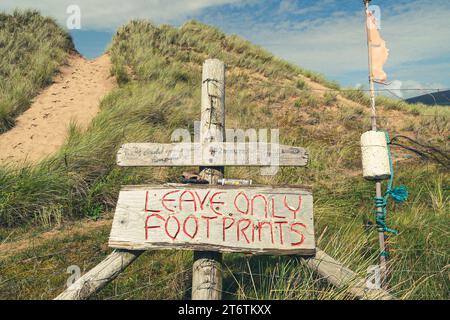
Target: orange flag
x,y
378,51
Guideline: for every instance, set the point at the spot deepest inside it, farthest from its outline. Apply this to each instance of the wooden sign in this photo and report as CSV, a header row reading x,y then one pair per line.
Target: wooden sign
x,y
214,154
250,219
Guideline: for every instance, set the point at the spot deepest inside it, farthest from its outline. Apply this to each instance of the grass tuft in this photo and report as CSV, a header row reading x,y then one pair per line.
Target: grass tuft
x,y
159,70
32,47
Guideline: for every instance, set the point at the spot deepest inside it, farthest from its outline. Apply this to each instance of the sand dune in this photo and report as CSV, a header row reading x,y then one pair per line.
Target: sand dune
x,y
74,96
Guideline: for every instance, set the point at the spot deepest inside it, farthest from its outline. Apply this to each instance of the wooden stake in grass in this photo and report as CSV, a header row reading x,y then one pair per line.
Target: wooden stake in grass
x,y
97,278
207,268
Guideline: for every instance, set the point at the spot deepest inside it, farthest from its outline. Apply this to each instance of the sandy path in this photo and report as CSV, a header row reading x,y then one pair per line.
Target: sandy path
x,y
74,96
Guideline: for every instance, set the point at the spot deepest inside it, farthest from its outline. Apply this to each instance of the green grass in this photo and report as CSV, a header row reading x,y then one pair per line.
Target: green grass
x,y
32,48
159,70
419,257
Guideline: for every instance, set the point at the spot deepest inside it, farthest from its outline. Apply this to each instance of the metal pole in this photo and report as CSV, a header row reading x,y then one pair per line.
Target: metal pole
x,y
381,238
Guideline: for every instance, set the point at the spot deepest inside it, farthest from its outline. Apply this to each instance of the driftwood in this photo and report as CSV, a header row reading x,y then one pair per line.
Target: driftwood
x,y
207,274
208,284
100,275
214,154
207,265
342,277
250,219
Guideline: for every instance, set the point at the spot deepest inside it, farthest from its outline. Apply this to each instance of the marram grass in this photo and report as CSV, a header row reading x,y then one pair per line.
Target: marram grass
x,y
159,70
32,48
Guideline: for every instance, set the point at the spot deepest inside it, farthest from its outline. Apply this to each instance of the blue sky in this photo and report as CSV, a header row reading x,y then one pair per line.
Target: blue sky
x,y
322,35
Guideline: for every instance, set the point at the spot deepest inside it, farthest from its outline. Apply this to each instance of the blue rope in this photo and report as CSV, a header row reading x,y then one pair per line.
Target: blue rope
x,y
398,194
380,202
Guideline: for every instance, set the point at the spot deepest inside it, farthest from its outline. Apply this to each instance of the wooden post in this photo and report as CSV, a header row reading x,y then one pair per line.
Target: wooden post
x,y
207,268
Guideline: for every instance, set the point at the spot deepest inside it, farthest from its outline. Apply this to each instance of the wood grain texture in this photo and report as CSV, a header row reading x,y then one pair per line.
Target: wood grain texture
x,y
210,154
330,269
207,275
100,276
212,127
207,265
342,277
250,219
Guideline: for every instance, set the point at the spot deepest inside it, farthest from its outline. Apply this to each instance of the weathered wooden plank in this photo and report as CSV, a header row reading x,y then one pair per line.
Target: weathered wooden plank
x,y
100,276
333,271
214,154
342,277
250,219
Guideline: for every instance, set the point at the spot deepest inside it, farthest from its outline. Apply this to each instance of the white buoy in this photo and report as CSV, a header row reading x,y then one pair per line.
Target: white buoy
x,y
375,156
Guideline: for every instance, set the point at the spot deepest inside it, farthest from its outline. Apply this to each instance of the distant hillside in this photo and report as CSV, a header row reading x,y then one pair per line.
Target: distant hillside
x,y
159,69
436,98
32,47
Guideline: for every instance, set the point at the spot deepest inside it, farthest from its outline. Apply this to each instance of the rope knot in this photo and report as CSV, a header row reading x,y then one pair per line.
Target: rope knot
x,y
399,194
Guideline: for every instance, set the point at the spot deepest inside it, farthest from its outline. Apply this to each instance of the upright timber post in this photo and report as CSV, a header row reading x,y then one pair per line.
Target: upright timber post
x,y
207,267
128,236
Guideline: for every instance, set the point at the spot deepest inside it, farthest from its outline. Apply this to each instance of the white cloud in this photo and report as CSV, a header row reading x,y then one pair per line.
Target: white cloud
x,y
411,36
395,88
412,88
416,31
109,14
337,45
407,88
